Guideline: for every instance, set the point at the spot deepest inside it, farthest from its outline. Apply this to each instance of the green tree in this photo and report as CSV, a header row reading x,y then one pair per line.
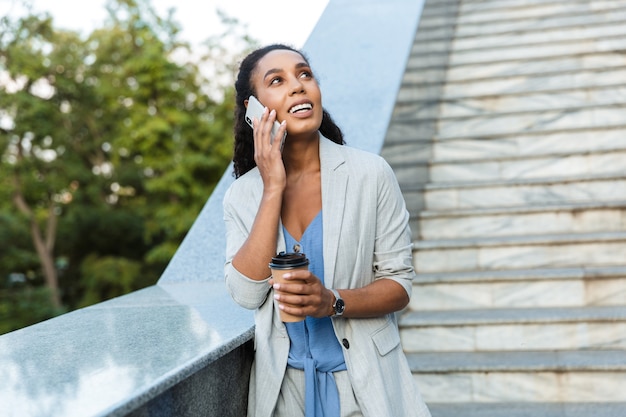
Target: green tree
x,y
110,146
30,164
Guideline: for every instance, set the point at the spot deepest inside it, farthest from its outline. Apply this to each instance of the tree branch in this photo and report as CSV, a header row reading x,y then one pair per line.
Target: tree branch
x,y
18,197
51,227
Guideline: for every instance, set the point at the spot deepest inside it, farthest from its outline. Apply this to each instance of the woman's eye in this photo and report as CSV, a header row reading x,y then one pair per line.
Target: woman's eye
x,y
306,74
275,80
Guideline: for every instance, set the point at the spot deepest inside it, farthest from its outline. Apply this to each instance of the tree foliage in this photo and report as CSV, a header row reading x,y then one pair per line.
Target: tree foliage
x,y
110,146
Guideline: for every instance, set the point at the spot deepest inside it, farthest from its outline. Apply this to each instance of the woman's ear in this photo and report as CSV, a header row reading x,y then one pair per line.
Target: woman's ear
x,y
245,103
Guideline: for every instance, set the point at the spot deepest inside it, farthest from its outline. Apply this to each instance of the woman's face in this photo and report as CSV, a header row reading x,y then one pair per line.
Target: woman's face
x,y
283,81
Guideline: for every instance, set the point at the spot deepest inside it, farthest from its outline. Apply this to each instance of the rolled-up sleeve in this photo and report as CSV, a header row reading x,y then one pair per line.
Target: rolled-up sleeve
x,y
393,251
238,217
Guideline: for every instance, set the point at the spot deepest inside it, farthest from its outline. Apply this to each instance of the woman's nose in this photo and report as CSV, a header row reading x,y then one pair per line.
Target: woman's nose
x,y
296,86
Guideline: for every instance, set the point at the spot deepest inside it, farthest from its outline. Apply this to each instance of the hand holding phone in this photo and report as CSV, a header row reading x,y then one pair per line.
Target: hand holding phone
x,y
255,109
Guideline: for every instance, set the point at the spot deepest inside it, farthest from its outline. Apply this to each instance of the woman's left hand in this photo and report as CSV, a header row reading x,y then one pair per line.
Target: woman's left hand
x,y
303,294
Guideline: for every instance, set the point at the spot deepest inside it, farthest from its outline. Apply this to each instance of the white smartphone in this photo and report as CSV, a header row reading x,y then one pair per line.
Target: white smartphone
x,y
255,109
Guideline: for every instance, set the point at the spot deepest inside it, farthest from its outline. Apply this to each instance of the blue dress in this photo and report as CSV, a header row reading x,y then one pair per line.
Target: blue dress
x,y
314,346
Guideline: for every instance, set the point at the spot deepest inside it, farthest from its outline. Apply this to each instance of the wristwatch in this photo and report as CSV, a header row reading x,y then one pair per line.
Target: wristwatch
x,y
339,304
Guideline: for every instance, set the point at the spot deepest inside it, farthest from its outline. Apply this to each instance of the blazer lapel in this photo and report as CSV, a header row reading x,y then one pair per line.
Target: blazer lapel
x,y
334,186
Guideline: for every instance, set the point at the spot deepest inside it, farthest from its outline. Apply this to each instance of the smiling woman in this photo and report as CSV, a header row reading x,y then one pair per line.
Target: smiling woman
x,y
343,208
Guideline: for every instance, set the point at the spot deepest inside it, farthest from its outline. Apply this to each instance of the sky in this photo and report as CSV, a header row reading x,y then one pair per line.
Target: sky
x,y
269,21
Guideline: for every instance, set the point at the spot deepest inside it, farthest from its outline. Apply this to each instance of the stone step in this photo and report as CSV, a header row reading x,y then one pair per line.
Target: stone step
x,y
479,6
420,70
462,195
514,146
401,151
514,252
499,10
426,45
524,53
528,275
581,31
441,34
506,100
513,95
506,18
519,294
439,7
548,166
577,218
547,121
512,329
431,29
434,16
427,53
515,316
407,153
492,126
527,409
554,377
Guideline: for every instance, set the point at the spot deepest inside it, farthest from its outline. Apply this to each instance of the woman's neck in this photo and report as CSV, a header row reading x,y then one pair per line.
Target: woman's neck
x,y
301,155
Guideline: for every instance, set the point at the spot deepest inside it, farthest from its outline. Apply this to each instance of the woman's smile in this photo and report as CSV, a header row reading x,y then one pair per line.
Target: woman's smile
x,y
302,109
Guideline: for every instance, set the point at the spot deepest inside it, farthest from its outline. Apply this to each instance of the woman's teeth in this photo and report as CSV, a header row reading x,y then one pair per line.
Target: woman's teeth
x,y
298,107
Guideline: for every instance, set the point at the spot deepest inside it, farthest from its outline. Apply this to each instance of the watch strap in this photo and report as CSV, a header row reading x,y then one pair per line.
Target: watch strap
x,y
337,311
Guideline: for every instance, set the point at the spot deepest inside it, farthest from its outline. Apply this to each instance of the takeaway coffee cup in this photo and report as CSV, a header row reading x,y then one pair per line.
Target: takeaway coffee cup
x,y
283,263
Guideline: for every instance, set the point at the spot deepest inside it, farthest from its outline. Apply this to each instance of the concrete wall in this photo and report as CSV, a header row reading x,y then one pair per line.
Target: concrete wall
x,y
220,389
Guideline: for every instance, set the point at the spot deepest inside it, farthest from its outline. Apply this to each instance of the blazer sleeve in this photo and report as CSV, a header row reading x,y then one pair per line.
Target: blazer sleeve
x,y
239,216
393,249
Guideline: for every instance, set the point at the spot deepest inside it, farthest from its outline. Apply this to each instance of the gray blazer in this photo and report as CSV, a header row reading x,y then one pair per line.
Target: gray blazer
x,y
366,237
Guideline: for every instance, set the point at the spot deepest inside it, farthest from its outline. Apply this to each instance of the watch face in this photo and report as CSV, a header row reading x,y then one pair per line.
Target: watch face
x,y
339,306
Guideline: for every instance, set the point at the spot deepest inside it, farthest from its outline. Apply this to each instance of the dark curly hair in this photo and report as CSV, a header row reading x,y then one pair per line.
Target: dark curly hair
x,y
243,157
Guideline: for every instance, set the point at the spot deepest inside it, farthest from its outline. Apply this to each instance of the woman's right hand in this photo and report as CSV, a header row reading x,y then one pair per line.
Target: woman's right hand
x,y
267,152
302,294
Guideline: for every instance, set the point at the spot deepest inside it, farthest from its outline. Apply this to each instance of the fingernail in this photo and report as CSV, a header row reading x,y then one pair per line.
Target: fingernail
x,y
287,275
273,112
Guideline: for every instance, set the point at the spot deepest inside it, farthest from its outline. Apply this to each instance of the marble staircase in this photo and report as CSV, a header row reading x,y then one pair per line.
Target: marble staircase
x,y
509,142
